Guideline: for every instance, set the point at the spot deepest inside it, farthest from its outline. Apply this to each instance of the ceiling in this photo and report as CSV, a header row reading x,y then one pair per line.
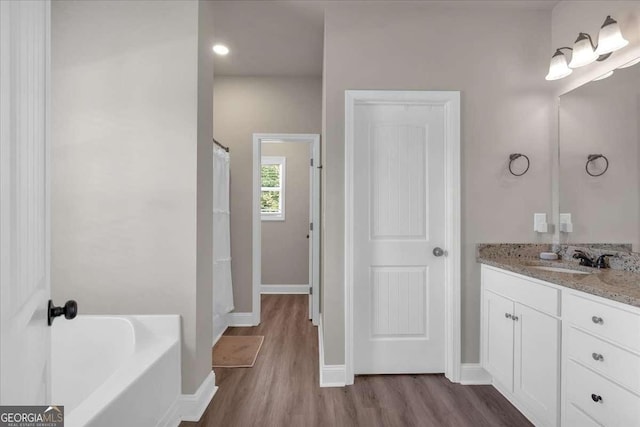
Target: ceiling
x,y
286,38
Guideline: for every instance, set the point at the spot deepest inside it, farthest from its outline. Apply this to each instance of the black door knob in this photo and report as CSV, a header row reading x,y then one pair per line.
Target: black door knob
x,y
70,311
439,252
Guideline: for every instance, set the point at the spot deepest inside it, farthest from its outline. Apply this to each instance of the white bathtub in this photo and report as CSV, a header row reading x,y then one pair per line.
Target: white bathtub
x,y
112,371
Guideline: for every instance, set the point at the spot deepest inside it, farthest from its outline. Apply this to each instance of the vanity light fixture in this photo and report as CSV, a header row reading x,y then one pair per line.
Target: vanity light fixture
x,y
604,76
610,37
558,67
584,52
630,63
220,49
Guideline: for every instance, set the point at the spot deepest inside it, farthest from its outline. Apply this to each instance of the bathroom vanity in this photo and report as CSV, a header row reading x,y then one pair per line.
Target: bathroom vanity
x,y
562,342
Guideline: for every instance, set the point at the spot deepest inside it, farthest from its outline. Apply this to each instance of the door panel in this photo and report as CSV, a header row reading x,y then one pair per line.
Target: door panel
x,y
399,198
24,207
398,302
398,221
498,343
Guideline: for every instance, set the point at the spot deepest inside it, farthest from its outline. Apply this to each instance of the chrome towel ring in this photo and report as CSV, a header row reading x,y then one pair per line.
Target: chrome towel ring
x,y
515,156
594,157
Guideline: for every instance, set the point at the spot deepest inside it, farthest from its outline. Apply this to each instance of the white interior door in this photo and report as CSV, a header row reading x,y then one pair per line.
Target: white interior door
x,y
314,231
314,213
24,207
398,221
310,234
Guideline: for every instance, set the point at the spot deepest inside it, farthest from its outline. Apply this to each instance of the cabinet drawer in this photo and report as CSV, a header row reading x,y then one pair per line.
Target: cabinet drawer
x,y
615,405
612,361
614,324
533,294
574,417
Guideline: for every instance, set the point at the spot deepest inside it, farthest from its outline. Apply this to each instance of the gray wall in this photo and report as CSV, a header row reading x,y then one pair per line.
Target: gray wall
x,y
285,247
497,57
247,105
201,365
131,164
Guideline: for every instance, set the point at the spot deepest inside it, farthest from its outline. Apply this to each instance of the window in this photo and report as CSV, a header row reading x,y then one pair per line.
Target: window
x,y
272,173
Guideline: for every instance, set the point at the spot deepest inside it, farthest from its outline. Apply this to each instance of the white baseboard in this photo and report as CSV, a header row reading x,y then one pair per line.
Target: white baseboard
x,y
330,375
333,376
240,319
194,405
191,407
284,289
474,374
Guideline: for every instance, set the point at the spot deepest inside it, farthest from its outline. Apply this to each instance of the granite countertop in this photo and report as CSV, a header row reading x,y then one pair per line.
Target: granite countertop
x,y
617,285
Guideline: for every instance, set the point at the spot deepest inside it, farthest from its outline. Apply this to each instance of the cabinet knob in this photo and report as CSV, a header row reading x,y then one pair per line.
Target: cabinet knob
x,y
507,315
596,398
597,320
597,357
515,318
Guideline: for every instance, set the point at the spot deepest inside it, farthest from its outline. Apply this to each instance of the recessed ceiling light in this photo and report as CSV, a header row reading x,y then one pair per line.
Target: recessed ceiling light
x,y
220,49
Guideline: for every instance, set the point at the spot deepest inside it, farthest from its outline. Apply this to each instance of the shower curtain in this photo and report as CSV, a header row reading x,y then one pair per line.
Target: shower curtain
x,y
222,288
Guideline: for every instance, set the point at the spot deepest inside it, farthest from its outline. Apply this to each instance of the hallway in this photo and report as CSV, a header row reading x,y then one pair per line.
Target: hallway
x,y
282,388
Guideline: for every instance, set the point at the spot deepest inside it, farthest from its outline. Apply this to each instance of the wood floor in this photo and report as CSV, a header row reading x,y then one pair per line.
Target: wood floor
x,y
282,388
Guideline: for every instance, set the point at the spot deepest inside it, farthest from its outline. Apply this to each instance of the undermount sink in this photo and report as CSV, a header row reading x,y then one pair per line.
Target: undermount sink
x,y
560,270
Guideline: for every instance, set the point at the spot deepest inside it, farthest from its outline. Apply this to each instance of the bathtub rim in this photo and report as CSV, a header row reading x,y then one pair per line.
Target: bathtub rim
x,y
154,337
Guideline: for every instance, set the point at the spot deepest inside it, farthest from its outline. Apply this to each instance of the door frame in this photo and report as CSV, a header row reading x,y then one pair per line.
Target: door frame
x,y
450,100
314,140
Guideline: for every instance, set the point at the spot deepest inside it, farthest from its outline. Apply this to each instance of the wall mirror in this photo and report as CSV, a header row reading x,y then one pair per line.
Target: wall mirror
x,y
599,148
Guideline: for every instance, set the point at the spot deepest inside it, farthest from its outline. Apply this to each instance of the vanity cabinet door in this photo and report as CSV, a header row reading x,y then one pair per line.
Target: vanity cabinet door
x,y
537,362
520,342
497,325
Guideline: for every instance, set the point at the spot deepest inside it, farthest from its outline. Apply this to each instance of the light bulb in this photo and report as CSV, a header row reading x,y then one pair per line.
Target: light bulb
x,y
221,49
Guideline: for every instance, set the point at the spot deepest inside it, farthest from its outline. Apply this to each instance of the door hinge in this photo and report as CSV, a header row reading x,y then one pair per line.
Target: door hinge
x,y
310,290
312,162
311,226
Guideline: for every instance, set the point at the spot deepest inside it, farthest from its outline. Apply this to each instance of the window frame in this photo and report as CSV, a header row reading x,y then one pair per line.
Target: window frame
x,y
282,162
